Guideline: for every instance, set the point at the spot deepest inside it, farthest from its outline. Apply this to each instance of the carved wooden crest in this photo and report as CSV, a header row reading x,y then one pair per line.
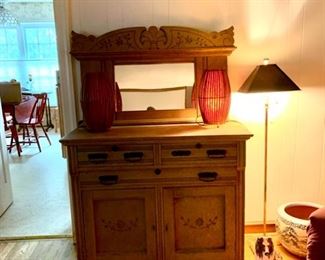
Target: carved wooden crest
x,y
164,39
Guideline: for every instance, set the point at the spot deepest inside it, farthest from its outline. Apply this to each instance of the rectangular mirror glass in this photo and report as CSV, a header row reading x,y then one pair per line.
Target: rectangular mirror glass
x,y
155,86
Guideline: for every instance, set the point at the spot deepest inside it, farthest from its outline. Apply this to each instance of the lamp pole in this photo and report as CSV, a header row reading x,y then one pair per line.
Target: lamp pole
x,y
265,164
266,78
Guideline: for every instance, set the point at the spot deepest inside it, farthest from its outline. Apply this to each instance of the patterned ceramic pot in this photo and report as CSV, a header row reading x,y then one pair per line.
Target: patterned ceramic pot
x,y
291,226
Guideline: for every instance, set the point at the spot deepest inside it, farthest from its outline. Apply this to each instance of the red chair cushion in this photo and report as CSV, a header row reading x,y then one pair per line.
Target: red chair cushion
x,y
316,235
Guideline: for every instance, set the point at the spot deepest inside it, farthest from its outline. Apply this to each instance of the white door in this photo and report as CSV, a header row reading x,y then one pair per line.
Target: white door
x,y
5,184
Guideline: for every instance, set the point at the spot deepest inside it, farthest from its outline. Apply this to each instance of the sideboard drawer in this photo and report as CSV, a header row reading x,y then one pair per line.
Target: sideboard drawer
x,y
204,174
155,175
115,155
199,153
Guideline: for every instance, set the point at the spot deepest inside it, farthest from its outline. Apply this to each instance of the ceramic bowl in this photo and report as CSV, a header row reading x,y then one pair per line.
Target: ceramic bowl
x,y
291,226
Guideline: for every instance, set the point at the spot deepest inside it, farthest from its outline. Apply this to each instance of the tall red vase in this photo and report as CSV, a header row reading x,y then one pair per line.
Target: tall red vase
x,y
214,97
98,101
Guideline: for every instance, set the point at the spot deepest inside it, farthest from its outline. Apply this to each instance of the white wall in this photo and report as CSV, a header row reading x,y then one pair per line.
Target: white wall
x,y
6,196
291,34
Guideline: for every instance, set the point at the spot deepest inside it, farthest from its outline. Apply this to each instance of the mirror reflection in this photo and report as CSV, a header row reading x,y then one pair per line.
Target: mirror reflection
x,y
155,86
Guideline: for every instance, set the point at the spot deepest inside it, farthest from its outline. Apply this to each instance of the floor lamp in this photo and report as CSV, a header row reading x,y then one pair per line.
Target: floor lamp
x,y
267,78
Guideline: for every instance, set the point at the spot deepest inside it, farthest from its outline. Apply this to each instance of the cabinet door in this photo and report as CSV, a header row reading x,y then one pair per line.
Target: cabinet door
x,y
199,223
120,224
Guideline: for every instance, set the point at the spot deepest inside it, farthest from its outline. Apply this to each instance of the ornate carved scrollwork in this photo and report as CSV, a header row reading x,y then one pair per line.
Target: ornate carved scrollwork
x,y
142,39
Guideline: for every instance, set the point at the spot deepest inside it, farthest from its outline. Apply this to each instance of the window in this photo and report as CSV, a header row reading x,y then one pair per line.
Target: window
x,y
9,47
28,53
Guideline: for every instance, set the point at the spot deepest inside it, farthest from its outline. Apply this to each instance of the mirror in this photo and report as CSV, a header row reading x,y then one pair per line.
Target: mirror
x,y
122,52
155,86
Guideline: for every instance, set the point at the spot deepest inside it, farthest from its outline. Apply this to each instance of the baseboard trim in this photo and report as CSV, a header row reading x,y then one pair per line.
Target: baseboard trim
x,y
258,228
36,237
251,228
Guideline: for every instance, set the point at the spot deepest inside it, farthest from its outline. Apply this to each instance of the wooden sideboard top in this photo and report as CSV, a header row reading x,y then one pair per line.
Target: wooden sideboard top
x,y
229,131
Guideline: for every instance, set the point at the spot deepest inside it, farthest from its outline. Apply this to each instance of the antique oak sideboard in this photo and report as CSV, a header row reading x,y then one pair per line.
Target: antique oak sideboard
x,y
158,184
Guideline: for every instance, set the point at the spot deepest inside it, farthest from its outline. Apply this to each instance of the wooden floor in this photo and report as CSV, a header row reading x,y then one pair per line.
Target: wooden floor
x,y
63,249
41,249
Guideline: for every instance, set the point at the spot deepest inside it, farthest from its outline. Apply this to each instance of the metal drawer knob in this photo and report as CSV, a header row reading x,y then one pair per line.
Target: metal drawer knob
x,y
157,171
115,148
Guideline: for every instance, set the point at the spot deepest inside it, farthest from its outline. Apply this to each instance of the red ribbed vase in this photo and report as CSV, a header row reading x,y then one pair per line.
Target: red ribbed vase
x,y
214,97
98,101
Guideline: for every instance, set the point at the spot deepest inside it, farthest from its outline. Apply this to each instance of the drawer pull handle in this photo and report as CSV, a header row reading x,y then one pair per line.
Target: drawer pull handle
x,y
207,176
108,179
216,153
97,157
181,153
133,156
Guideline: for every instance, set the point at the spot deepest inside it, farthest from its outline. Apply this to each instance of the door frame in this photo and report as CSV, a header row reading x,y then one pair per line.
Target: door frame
x,y
62,18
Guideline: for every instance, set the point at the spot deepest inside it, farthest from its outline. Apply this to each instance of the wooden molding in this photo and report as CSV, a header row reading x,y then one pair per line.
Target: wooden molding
x,y
258,228
137,41
171,116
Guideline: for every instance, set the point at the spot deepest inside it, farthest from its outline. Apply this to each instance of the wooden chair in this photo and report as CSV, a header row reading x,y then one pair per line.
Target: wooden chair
x,y
10,126
34,120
